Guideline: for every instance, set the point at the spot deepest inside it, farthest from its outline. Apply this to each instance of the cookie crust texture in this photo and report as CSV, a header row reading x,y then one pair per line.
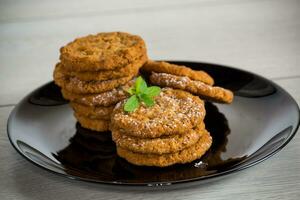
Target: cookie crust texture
x,y
92,124
104,75
103,51
75,85
179,70
162,145
102,99
93,112
212,93
174,112
185,156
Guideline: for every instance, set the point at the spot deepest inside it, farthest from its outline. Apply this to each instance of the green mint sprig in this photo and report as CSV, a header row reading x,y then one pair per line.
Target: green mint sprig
x,y
140,92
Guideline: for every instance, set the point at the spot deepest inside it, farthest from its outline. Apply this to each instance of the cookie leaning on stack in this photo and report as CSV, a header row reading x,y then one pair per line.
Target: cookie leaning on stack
x,y
94,72
152,127
181,77
171,131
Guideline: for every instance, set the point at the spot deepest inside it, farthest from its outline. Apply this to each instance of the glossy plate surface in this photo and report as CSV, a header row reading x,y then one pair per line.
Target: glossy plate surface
x,y
262,119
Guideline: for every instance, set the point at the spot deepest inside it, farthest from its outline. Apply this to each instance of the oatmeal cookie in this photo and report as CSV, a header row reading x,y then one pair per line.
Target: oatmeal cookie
x,y
104,75
102,99
179,70
58,75
92,124
103,51
175,112
161,145
74,85
93,112
93,87
185,156
216,94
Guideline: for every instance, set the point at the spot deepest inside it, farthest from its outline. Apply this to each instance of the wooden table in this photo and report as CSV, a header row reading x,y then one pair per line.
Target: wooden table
x,y
262,36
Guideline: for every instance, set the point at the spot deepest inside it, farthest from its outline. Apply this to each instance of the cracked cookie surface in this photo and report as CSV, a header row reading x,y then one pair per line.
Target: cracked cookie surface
x,y
207,92
103,75
179,70
103,51
102,99
161,145
185,156
75,85
174,112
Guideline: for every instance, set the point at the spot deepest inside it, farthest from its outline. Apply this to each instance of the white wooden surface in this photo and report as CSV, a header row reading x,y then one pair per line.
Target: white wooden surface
x,y
262,36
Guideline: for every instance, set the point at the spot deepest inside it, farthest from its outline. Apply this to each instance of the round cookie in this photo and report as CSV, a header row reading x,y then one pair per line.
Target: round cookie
x,y
102,99
92,124
162,145
216,94
58,75
179,70
104,75
93,112
174,112
74,85
185,156
103,51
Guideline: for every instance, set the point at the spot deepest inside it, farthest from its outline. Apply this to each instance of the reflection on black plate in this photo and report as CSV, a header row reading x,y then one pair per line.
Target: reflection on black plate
x,y
94,154
262,119
49,95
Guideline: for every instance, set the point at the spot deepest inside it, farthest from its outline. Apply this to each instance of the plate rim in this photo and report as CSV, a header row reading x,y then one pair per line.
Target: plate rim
x,y
166,183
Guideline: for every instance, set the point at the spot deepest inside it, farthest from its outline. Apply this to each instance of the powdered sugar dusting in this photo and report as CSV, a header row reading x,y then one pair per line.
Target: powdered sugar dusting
x,y
105,98
101,99
174,111
196,87
180,82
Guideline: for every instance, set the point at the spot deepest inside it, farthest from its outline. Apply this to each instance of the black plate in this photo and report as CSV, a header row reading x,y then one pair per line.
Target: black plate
x,y
262,119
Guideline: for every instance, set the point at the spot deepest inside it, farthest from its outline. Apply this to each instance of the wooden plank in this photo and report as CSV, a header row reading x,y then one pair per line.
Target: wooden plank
x,y
276,178
291,85
260,36
18,10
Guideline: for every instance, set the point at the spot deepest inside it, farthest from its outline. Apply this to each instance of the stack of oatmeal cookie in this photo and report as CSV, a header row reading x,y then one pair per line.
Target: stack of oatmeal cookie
x,y
94,72
184,78
171,131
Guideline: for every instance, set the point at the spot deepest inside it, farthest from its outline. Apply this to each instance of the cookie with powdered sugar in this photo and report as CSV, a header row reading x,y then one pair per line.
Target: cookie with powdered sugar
x,y
102,99
207,92
178,70
75,85
174,112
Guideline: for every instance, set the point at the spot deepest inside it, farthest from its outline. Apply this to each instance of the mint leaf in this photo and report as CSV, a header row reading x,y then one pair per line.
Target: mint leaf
x,y
131,91
141,93
140,85
147,100
152,91
131,104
